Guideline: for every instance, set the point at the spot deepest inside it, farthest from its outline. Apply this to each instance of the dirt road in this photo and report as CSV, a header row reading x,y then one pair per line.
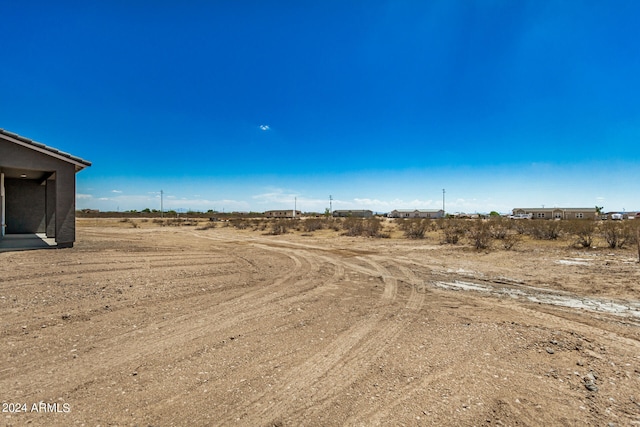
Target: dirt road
x,y
178,326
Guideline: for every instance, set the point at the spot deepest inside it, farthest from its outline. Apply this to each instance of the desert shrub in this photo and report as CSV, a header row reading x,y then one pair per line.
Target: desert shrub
x,y
259,225
522,226
480,234
545,229
207,226
240,224
372,227
352,226
334,224
617,234
129,221
583,231
499,227
280,226
313,224
510,241
414,228
368,227
452,230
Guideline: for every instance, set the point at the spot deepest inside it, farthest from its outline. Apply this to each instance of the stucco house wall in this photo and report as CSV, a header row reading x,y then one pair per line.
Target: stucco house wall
x,y
39,188
25,207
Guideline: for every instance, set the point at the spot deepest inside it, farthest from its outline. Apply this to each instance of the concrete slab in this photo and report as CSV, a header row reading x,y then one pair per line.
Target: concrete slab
x,y
23,242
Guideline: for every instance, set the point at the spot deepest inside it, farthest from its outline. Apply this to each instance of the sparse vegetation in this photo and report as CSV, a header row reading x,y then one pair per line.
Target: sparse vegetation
x,y
480,234
499,227
280,226
313,224
452,230
618,234
130,222
367,227
207,226
493,231
544,229
414,228
510,241
583,230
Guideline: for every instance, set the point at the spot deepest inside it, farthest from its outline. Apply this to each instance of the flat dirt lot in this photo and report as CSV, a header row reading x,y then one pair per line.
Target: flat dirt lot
x,y
160,326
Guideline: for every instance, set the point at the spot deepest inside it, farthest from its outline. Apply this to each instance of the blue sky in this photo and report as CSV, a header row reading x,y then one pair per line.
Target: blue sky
x,y
250,105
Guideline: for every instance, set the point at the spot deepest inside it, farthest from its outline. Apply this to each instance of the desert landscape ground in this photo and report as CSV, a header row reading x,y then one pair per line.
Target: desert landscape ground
x,y
161,326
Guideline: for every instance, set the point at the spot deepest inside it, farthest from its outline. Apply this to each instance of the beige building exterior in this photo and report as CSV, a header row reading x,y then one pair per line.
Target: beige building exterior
x,y
416,213
557,213
282,213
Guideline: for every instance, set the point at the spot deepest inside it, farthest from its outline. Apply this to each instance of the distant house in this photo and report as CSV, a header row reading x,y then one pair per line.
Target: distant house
x,y
557,213
38,189
353,213
416,213
283,214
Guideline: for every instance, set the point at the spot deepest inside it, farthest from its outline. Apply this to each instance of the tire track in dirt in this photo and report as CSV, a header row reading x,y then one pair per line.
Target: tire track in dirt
x,y
338,347
355,367
322,377
391,283
200,321
418,288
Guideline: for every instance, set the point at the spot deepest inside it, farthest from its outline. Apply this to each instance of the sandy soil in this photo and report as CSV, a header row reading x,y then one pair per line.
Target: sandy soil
x,y
179,326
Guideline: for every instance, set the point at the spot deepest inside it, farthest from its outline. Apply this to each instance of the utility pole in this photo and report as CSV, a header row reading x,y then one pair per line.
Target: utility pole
x,y
295,206
443,211
330,204
161,204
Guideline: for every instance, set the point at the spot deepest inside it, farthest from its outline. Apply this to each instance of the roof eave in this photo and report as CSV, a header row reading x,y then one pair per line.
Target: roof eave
x,y
50,151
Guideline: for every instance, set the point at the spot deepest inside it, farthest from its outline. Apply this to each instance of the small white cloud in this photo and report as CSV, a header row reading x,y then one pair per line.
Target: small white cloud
x,y
116,191
264,127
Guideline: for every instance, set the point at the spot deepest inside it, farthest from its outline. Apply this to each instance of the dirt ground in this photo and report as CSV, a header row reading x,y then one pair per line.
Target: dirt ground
x,y
161,326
